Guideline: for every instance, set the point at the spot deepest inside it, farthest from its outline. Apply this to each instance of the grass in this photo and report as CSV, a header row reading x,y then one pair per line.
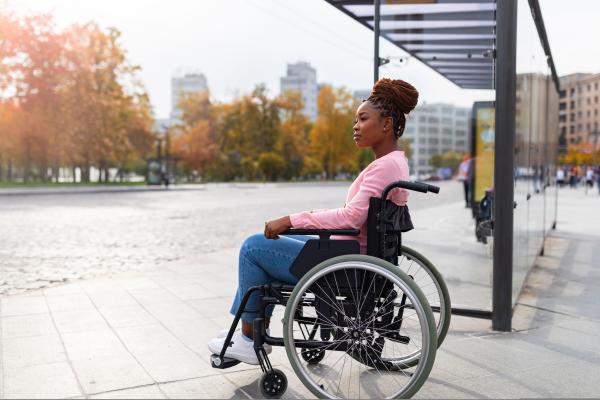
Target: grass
x,y
66,184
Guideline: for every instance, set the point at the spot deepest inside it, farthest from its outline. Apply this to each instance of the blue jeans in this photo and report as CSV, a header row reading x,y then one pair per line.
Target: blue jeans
x,y
264,261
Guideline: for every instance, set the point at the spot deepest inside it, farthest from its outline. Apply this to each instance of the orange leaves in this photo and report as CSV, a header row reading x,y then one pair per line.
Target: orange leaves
x,y
82,102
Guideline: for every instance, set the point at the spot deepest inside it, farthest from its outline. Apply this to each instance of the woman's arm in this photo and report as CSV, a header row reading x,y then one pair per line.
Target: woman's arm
x,y
354,214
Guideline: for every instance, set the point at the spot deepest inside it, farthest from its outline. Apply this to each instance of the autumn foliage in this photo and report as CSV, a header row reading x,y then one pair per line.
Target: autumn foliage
x,y
68,99
71,103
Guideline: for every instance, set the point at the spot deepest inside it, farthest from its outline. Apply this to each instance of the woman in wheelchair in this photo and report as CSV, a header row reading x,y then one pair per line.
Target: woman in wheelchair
x,y
267,258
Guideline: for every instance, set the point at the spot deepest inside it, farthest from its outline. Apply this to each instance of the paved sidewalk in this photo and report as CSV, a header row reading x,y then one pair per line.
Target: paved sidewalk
x,y
144,335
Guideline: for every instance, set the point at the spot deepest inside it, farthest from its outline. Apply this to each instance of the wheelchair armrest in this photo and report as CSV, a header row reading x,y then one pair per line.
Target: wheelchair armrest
x,y
323,233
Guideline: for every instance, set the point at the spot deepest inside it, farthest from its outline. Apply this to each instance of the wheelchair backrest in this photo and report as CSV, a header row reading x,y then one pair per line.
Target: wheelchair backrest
x,y
385,224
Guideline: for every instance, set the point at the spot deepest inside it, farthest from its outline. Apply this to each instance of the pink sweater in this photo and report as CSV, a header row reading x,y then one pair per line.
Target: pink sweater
x,y
353,215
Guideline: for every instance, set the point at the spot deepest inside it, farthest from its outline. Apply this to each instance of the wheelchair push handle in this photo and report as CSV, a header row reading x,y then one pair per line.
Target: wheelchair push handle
x,y
415,186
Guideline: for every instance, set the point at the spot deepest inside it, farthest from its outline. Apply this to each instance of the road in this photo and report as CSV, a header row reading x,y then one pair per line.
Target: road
x,y
53,238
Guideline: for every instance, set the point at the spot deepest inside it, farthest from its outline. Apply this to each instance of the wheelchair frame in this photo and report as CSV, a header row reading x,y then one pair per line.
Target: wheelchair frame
x,y
386,247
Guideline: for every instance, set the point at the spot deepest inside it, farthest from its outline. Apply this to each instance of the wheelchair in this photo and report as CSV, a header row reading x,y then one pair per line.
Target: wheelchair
x,y
354,325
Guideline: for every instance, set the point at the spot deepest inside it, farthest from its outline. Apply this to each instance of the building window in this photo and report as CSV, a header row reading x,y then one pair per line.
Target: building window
x,y
572,117
572,129
460,143
588,126
562,118
446,131
596,85
578,128
572,92
421,140
461,133
596,100
588,101
588,112
446,121
433,120
589,87
563,94
596,112
447,141
446,110
433,129
572,104
434,141
562,106
422,118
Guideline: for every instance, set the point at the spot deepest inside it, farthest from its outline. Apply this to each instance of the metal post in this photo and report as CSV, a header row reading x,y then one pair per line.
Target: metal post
x,y
506,42
377,5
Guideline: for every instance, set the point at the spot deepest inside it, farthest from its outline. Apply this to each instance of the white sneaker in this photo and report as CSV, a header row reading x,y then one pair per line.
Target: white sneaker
x,y
239,348
223,333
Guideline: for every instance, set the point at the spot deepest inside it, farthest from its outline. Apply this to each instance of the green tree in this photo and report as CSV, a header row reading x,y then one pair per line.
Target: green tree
x,y
271,165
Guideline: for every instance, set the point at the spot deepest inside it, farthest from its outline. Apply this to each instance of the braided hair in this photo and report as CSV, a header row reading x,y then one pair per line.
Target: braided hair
x,y
394,98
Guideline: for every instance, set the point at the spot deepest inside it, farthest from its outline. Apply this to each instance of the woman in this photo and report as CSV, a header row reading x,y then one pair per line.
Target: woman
x,y
266,258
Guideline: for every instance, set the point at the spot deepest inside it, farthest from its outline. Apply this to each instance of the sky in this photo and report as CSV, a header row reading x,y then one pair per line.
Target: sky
x,y
237,44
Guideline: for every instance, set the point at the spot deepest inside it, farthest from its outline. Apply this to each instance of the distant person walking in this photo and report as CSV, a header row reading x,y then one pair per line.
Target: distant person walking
x,y
598,178
465,174
560,177
589,177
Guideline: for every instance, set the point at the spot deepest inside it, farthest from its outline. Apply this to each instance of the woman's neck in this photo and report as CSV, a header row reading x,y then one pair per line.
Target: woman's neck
x,y
384,149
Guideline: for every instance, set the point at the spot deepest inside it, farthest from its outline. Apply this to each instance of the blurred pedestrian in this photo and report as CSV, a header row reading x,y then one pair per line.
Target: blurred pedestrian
x,y
589,177
573,177
465,174
560,177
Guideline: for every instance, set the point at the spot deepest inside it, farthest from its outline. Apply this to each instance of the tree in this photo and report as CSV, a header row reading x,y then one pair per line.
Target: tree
x,y
195,138
331,136
451,159
293,141
271,165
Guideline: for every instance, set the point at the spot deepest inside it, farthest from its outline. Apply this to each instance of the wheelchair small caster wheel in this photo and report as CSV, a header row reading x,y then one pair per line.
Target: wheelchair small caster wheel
x,y
273,384
312,356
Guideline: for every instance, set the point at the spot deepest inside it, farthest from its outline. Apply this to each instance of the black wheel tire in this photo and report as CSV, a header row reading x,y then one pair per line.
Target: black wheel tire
x,y
273,384
312,356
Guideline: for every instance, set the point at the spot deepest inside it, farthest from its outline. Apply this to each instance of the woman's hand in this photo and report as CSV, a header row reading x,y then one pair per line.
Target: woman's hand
x,y
275,227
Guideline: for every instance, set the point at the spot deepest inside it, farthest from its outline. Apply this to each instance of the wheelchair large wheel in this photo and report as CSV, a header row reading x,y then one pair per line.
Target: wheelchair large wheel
x,y
432,284
370,319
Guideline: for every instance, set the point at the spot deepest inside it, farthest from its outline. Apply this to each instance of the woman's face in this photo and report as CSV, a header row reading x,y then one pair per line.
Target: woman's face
x,y
369,127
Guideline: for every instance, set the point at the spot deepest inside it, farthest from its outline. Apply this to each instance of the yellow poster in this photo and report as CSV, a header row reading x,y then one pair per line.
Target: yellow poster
x,y
485,120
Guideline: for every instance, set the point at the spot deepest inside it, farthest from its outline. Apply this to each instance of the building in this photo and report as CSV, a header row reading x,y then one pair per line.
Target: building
x,y
434,129
302,77
190,82
361,95
578,108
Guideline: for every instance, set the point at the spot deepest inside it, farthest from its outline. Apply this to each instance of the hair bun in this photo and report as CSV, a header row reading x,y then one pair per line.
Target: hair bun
x,y
398,92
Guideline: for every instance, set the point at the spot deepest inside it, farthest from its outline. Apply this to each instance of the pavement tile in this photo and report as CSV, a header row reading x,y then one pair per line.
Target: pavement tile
x,y
69,288
194,333
212,308
247,382
210,387
45,381
172,310
112,298
80,320
191,291
33,350
27,325
69,302
23,305
93,345
110,373
154,295
136,283
144,392
135,315
575,379
162,354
